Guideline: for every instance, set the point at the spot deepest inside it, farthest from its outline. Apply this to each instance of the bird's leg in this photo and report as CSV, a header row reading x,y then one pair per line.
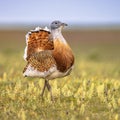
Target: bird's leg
x,y
45,83
49,89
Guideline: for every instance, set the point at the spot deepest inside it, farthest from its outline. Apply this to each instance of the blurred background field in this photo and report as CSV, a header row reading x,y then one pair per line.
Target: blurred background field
x,y
92,91
88,45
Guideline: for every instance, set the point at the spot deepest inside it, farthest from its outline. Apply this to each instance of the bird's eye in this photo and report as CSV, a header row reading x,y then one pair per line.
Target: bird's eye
x,y
55,22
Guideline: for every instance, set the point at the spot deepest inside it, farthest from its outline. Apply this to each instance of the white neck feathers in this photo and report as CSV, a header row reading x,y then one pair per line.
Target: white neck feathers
x,y
58,35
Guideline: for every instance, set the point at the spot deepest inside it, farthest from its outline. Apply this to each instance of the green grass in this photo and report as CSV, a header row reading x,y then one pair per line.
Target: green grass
x,y
91,92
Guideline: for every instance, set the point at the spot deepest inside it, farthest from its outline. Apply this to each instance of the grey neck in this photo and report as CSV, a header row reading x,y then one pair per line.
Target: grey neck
x,y
56,33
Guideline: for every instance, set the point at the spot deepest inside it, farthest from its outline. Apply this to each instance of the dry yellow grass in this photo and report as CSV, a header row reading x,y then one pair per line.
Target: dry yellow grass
x,y
91,92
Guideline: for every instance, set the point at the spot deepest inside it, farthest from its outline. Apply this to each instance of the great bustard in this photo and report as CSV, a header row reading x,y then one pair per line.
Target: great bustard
x,y
48,55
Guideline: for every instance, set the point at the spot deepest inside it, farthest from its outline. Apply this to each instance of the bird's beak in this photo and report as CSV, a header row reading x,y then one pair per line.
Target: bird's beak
x,y
64,24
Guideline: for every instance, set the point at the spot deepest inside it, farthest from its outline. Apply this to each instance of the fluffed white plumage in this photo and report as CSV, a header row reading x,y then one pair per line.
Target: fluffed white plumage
x,y
32,72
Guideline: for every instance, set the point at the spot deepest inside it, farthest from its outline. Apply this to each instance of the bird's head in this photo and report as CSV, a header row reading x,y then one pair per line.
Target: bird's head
x,y
57,24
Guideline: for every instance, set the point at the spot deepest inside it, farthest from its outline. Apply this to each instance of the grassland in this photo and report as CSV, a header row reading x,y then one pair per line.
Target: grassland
x,y
91,92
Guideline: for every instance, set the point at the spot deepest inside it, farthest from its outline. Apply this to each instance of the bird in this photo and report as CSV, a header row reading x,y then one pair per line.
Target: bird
x,y
48,54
